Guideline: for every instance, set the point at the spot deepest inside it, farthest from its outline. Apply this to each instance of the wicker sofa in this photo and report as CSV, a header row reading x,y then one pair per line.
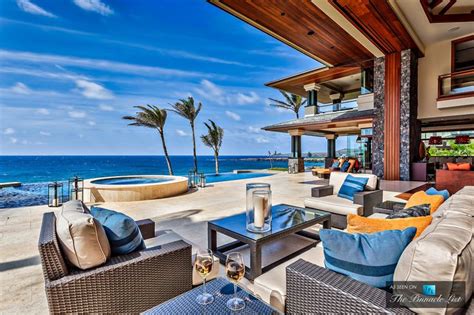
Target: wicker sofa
x,y
443,252
129,283
325,198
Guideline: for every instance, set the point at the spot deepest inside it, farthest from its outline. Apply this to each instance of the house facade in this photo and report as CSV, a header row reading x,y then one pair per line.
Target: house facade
x,y
396,73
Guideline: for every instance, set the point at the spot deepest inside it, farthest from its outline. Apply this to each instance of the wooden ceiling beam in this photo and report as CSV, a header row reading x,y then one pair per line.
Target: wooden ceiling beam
x,y
447,7
442,17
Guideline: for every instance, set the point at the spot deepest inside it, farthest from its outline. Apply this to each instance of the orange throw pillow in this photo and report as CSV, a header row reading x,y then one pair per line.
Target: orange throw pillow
x,y
421,197
459,166
358,224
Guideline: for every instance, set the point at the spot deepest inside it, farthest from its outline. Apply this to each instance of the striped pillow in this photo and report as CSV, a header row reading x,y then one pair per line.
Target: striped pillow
x,y
122,231
368,258
351,186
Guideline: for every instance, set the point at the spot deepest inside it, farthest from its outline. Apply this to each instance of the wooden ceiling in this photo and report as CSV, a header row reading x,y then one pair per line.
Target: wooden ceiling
x,y
294,84
302,25
442,15
378,22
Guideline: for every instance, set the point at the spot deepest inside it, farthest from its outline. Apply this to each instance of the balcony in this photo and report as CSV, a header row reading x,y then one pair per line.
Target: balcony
x,y
330,108
456,89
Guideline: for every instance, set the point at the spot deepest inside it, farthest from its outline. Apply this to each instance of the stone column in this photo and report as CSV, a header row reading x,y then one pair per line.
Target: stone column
x,y
410,126
331,150
296,161
311,107
378,124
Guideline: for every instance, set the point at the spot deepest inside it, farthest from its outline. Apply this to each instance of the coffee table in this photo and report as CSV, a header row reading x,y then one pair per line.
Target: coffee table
x,y
222,290
288,225
388,207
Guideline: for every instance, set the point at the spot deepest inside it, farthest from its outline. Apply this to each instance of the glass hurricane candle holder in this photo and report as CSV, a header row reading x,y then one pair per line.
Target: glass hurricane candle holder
x,y
259,208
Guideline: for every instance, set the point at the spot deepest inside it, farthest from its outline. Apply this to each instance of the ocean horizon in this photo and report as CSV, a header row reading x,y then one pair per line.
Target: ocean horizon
x,y
35,172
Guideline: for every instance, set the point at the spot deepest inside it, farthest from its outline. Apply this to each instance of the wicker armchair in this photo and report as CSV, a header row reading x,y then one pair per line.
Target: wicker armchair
x,y
126,284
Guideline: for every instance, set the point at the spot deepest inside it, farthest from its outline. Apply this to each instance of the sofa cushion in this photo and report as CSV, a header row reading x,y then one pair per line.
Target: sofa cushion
x,y
359,224
351,186
459,166
459,203
447,245
368,258
336,179
122,231
422,197
345,166
271,286
434,191
81,237
333,204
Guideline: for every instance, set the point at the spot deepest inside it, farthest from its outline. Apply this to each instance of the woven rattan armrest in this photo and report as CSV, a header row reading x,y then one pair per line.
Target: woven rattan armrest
x,y
312,289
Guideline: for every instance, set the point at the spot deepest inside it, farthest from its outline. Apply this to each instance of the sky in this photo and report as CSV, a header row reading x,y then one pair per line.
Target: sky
x,y
69,70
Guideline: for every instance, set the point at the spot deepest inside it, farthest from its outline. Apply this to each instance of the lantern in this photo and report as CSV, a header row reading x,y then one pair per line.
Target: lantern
x,y
462,139
192,179
202,180
435,140
76,188
55,194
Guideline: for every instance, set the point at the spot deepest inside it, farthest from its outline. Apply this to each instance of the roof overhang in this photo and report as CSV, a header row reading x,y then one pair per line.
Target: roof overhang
x,y
347,122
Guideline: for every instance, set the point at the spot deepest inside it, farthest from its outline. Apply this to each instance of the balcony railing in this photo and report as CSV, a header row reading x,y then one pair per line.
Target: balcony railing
x,y
329,108
456,84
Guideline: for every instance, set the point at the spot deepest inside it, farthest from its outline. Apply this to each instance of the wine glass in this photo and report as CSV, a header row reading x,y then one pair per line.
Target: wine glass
x,y
235,270
203,265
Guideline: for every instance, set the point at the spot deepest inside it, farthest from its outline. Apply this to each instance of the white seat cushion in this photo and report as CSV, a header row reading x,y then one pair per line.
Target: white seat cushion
x,y
334,204
336,179
271,286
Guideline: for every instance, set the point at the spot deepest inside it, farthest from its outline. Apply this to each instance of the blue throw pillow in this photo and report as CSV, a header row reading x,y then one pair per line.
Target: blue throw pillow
x,y
345,166
434,191
335,164
351,186
368,258
122,231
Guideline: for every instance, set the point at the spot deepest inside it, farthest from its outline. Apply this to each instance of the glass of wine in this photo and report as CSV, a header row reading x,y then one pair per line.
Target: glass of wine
x,y
235,270
203,265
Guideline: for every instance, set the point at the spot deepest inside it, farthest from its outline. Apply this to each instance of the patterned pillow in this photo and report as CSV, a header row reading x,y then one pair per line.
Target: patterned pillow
x,y
415,211
368,258
351,186
335,164
345,166
122,231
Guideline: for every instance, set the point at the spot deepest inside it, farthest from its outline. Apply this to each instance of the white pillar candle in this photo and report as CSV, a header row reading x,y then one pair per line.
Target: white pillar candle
x,y
259,204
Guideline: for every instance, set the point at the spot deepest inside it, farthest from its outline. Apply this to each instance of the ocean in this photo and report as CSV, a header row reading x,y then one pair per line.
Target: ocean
x,y
35,172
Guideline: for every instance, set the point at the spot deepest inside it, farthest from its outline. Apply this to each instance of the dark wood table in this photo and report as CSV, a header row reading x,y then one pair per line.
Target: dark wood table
x,y
287,221
388,207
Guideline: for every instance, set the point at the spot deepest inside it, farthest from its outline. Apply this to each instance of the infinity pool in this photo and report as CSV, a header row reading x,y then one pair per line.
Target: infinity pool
x,y
224,177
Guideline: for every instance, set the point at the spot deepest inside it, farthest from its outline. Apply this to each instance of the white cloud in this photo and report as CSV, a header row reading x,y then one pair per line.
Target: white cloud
x,y
42,111
262,140
13,140
232,115
93,90
106,108
45,27
76,114
251,98
29,7
25,142
9,131
45,133
80,136
181,133
20,88
99,64
94,6
91,123
254,129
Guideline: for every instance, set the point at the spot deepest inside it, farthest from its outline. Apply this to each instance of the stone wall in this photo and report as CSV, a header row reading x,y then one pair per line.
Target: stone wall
x,y
378,125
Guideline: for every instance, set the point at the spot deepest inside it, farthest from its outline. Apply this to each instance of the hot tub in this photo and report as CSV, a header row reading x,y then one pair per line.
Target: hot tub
x,y
134,188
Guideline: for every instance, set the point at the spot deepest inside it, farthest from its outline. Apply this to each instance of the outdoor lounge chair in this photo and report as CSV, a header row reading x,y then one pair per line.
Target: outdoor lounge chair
x,y
325,198
129,283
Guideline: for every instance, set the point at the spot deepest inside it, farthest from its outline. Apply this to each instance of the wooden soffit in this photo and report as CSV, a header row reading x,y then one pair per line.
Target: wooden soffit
x,y
295,83
379,23
303,26
438,11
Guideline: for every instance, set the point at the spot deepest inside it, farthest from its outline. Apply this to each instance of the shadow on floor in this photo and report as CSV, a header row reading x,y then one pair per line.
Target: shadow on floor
x,y
20,263
315,182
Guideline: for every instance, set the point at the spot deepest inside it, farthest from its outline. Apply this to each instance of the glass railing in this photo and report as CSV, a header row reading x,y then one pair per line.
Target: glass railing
x,y
456,84
329,108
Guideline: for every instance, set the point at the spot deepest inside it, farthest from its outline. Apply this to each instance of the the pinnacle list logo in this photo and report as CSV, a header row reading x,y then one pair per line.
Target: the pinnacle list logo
x,y
429,289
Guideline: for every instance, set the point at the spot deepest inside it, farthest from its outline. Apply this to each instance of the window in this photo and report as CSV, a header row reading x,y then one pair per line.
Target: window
x,y
462,54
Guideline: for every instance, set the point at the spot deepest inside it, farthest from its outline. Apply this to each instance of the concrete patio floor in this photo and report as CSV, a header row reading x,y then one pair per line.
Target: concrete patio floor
x,y
21,278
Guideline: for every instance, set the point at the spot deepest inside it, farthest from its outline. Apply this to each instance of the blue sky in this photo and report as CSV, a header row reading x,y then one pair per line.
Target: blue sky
x,y
69,70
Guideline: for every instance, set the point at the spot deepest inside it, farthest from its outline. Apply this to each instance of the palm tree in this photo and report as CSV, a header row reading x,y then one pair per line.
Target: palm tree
x,y
293,102
185,108
152,117
213,140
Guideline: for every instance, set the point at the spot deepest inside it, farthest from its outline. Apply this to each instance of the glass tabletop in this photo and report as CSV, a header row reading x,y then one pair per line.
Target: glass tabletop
x,y
284,217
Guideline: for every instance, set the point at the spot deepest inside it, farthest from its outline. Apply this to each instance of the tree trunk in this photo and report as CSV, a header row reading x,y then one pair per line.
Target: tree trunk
x,y
297,115
216,158
194,148
165,150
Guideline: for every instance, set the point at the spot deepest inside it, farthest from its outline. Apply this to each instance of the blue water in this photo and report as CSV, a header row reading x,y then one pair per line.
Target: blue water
x,y
224,177
131,180
34,172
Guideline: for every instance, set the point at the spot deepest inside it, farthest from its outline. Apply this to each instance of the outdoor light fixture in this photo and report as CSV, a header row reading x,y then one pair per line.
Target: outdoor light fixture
x,y
76,188
192,179
202,180
462,139
55,194
435,140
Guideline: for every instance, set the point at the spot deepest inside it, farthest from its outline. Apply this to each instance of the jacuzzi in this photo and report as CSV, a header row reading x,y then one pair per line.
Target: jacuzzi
x,y
133,188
